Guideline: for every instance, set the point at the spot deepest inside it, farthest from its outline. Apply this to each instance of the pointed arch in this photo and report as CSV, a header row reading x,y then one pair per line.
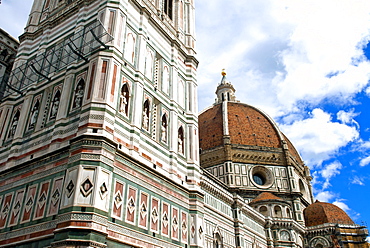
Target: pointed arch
x,y
164,128
124,99
34,115
181,93
130,48
149,64
55,105
146,112
165,79
79,94
14,124
180,140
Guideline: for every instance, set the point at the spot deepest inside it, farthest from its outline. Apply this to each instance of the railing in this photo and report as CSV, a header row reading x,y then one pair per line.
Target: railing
x,y
57,57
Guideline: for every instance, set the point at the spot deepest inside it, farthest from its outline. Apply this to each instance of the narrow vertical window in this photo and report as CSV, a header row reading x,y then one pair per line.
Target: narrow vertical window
x,y
111,23
168,8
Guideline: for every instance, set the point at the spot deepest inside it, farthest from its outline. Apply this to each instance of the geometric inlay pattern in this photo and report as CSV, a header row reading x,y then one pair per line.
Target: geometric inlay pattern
x,y
154,215
55,197
70,188
143,210
86,187
131,205
42,200
103,191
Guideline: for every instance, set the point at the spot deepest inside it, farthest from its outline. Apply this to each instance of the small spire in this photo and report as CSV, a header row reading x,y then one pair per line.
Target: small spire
x,y
225,90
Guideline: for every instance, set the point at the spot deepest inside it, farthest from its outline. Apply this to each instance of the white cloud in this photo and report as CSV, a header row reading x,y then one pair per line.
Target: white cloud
x,y
358,180
342,205
365,161
287,52
348,117
330,171
318,137
325,196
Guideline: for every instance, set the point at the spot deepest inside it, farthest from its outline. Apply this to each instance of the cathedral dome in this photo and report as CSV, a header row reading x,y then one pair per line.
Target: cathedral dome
x,y
321,212
246,127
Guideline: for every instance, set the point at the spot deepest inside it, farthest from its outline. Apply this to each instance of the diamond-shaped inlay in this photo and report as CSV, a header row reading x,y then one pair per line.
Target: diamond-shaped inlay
x,y
55,197
118,199
154,215
70,188
165,219
86,187
41,200
175,223
29,204
143,210
16,208
5,210
103,190
184,226
131,205
200,232
193,231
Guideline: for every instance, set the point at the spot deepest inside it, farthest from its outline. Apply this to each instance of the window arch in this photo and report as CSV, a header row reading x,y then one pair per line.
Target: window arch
x,y
55,105
164,128
146,111
217,241
14,124
263,210
79,94
288,215
34,115
149,64
165,79
284,235
130,47
277,212
124,99
180,140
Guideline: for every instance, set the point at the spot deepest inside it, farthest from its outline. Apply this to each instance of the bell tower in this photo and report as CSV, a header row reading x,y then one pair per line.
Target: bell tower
x,y
99,118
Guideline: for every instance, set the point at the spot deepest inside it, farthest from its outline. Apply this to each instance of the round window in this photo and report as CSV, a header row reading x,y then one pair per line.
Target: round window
x,y
259,179
261,176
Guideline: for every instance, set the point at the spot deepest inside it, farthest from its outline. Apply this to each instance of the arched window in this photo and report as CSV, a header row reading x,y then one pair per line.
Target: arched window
x,y
284,235
181,93
79,94
165,79
130,48
149,64
288,213
34,115
55,105
164,128
180,140
277,212
263,210
124,100
168,6
14,125
146,112
217,242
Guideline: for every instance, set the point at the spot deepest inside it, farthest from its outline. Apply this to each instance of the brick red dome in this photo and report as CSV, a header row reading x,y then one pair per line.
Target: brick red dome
x,y
245,125
320,213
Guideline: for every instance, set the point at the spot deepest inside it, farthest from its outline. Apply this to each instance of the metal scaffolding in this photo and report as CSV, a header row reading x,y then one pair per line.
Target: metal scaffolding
x,y
57,57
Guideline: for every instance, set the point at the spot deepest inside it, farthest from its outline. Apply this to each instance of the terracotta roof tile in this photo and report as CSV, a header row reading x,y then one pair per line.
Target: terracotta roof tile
x,y
321,212
265,196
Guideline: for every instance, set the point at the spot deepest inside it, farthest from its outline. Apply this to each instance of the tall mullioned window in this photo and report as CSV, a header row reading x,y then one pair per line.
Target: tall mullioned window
x,y
168,7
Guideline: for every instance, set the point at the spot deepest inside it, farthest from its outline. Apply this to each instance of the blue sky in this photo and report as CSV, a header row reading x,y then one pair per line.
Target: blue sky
x,y
303,62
